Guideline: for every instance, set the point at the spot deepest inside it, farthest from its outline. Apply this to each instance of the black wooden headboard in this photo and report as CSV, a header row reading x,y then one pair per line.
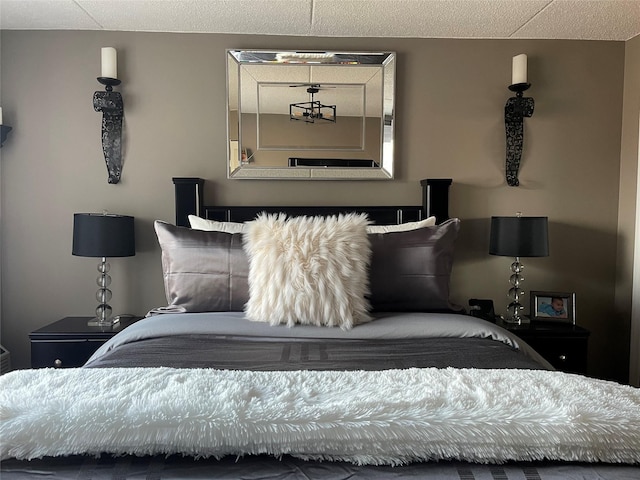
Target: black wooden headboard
x,y
189,201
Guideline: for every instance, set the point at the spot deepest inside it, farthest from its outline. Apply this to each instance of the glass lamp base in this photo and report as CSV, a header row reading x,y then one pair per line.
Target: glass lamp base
x,y
519,320
103,316
515,308
99,322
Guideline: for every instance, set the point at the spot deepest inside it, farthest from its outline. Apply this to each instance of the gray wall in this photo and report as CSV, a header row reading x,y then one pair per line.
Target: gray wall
x,y
450,101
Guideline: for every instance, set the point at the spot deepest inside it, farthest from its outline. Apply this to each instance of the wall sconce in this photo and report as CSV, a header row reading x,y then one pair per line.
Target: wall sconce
x,y
112,108
4,129
515,110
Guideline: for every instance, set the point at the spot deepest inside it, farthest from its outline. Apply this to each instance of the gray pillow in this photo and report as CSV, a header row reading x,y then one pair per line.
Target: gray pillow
x,y
203,271
410,270
207,271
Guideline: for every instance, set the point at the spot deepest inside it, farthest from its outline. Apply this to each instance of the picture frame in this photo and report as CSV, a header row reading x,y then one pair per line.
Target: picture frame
x,y
553,307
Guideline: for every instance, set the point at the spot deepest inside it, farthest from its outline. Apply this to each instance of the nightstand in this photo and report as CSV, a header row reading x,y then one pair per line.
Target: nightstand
x,y
70,342
563,345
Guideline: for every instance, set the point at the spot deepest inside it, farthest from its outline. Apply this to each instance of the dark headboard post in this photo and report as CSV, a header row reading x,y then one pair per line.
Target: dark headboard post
x,y
435,198
189,199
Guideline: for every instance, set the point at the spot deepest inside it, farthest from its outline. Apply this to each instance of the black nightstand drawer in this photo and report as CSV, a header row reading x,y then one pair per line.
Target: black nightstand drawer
x,y
70,342
563,345
62,353
563,354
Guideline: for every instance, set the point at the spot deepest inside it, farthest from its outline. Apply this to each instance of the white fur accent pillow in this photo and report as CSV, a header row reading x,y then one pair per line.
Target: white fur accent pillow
x,y
308,270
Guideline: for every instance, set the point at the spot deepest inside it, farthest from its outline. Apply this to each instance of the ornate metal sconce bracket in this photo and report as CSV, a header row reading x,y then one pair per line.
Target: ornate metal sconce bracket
x,y
112,108
515,110
4,131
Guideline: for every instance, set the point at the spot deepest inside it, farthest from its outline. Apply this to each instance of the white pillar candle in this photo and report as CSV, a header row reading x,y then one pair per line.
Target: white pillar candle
x,y
519,70
109,62
1,116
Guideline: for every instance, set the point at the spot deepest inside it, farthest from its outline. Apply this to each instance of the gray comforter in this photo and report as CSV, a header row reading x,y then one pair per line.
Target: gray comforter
x,y
227,340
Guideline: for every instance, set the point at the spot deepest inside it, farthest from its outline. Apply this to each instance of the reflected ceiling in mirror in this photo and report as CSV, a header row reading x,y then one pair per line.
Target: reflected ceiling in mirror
x,y
310,115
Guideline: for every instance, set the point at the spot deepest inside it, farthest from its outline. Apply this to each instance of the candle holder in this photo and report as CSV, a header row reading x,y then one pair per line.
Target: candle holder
x,y
516,109
4,131
109,82
519,87
112,107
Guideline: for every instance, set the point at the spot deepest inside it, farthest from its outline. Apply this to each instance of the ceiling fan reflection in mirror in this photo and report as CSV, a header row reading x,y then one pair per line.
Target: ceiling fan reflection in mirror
x,y
312,110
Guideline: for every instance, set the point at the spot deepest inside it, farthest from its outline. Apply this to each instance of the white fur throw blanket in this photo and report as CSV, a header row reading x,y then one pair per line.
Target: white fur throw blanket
x,y
389,417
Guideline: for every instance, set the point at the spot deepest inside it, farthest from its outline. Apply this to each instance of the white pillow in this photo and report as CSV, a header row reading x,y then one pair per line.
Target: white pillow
x,y
198,223
402,227
308,270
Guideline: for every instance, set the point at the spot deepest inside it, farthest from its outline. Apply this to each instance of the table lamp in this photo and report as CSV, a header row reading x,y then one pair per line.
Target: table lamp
x,y
518,237
103,235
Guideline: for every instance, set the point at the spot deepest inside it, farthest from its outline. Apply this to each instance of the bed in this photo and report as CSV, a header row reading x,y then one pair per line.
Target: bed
x,y
307,342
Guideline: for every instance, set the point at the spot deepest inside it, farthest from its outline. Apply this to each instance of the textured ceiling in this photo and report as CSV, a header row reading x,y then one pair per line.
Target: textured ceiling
x,y
526,19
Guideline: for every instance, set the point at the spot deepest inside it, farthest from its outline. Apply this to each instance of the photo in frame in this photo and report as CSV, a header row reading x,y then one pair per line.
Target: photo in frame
x,y
553,307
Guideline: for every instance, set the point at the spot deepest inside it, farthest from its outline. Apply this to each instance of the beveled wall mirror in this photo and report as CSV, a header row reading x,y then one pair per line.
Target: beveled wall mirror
x,y
309,115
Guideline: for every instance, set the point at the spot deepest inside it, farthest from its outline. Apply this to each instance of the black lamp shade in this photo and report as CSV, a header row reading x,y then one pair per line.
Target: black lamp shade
x,y
99,235
519,237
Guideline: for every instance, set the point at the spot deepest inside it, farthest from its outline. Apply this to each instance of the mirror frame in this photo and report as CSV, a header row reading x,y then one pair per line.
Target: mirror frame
x,y
385,61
